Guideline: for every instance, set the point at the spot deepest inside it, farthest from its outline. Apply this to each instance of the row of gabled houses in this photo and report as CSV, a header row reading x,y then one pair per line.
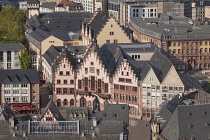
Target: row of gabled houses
x,y
136,74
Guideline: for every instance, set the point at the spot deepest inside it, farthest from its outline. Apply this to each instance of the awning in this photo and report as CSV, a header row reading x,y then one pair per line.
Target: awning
x,y
16,108
27,108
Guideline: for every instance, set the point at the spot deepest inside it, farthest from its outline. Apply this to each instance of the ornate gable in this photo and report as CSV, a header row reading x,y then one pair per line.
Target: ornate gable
x,y
125,75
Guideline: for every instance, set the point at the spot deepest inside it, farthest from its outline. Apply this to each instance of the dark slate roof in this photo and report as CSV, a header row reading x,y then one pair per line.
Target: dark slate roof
x,y
66,35
54,110
4,127
63,20
39,34
54,55
33,2
98,22
114,55
114,112
19,76
77,49
189,121
7,112
50,5
110,127
11,46
78,111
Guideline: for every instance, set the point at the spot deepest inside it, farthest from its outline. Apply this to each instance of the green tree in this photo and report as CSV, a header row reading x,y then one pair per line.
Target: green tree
x,y
12,25
25,59
206,85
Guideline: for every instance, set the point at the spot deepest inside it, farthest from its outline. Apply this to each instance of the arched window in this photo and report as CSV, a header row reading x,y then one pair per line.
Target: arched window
x,y
58,103
96,104
71,103
65,102
82,102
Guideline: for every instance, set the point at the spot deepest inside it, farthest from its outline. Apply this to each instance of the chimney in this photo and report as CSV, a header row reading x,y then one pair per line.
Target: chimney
x,y
12,122
24,134
82,134
93,134
94,122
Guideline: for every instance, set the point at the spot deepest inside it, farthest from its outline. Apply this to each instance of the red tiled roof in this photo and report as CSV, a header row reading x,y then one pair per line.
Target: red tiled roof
x,y
65,2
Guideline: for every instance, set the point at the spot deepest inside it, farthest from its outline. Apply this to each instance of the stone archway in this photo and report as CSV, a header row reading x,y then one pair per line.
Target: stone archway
x,y
96,104
82,102
65,102
59,103
71,103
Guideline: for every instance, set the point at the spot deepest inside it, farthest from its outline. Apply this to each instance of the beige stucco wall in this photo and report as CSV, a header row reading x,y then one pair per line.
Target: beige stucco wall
x,y
119,34
207,11
172,78
151,78
46,43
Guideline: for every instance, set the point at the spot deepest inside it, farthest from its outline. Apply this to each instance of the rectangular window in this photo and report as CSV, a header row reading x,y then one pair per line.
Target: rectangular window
x,y
111,33
65,91
24,99
106,87
15,91
121,79
58,90
8,56
6,91
92,82
134,88
1,56
122,87
67,73
86,81
58,81
6,85
71,90
128,88
107,41
115,41
80,84
116,86
24,85
24,91
15,85
65,81
71,82
61,73
128,80
99,83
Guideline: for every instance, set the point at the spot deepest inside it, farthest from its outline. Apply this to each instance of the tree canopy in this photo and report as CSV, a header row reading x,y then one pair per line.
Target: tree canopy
x,y
12,27
25,59
206,85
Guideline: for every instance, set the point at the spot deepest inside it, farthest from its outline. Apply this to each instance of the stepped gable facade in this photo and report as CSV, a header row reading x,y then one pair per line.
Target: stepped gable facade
x,y
136,74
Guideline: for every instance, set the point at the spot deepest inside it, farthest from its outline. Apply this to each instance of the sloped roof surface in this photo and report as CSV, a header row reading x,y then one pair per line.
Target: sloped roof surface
x,y
98,22
11,46
54,110
19,76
